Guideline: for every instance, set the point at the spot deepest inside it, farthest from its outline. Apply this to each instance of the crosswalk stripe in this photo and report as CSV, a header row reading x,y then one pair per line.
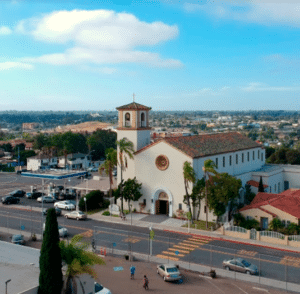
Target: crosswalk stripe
x,y
184,247
195,242
167,257
189,245
179,250
172,253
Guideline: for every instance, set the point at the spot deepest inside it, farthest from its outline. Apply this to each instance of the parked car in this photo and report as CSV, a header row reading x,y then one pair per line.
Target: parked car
x,y
57,211
18,239
34,195
64,205
17,193
60,188
76,215
46,199
240,265
99,289
114,173
169,272
10,200
63,232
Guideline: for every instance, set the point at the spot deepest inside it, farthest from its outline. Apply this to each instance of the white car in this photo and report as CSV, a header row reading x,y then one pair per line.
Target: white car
x,y
62,231
99,289
64,205
46,199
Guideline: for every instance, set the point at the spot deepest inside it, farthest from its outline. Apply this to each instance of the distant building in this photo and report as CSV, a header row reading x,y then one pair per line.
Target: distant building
x,y
29,126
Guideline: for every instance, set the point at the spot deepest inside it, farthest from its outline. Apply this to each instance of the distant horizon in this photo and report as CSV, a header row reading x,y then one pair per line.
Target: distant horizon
x,y
174,55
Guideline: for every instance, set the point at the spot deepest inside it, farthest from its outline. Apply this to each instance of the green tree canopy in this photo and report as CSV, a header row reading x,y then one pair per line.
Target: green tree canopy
x,y
132,190
189,177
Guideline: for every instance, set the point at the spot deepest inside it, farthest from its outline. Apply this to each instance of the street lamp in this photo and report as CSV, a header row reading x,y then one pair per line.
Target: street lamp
x,y
131,216
85,204
6,285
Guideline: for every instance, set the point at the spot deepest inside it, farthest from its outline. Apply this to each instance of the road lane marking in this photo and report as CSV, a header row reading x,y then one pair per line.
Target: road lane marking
x,y
290,260
246,252
184,247
179,250
173,253
167,257
131,240
240,288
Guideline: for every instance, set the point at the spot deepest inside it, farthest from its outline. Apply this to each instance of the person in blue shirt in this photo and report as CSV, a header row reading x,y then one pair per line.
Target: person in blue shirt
x,y
132,271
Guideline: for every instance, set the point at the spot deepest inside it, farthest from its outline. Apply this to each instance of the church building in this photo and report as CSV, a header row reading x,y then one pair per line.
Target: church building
x,y
159,165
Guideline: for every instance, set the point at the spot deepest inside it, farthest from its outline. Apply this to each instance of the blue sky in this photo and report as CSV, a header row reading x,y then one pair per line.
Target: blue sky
x,y
174,55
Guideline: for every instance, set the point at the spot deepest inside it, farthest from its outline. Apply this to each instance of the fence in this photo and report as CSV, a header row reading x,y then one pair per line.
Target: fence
x,y
272,234
236,229
294,238
199,255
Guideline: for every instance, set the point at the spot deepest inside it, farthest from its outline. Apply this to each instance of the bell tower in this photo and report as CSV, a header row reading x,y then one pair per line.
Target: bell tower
x,y
134,124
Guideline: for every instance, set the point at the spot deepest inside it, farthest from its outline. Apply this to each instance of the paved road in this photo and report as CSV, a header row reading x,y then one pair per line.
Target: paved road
x,y
167,245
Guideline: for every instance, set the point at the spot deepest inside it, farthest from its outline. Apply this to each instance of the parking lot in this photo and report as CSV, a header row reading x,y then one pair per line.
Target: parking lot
x,y
116,277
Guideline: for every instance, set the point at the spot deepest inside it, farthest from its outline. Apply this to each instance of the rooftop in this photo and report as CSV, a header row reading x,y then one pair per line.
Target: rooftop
x,y
133,106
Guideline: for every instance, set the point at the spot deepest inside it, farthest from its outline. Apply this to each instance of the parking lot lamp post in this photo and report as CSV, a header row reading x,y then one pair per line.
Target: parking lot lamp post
x,y
85,204
6,285
131,216
87,186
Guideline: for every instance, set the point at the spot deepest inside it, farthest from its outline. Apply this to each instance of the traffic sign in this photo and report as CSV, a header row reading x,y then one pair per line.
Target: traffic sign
x,y
22,228
152,234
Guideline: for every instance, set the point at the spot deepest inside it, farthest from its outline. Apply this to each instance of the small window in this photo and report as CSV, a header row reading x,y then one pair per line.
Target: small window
x,y
217,162
144,201
253,155
278,187
258,154
270,189
248,156
143,116
230,160
243,157
237,159
223,161
180,206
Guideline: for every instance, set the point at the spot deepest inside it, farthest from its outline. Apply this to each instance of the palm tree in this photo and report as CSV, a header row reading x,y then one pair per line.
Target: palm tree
x,y
189,177
78,261
209,167
125,148
108,166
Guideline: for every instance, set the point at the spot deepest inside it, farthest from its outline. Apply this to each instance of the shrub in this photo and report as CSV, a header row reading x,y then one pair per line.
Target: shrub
x,y
293,229
275,225
105,204
107,213
94,200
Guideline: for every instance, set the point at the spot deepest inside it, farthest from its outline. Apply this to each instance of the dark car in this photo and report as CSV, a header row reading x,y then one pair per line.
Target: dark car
x,y
59,188
57,211
17,193
10,200
34,195
18,239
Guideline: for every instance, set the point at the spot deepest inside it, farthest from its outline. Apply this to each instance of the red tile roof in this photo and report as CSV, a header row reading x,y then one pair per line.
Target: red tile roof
x,y
133,106
255,184
284,202
212,144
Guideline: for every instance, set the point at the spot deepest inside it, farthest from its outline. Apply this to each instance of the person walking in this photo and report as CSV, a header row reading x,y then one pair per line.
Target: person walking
x,y
132,271
145,282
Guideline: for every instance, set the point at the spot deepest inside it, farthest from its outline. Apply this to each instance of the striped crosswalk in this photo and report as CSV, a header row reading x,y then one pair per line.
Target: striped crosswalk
x,y
185,247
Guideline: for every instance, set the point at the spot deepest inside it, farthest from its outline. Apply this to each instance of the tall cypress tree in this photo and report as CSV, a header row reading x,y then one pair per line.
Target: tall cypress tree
x,y
261,186
51,278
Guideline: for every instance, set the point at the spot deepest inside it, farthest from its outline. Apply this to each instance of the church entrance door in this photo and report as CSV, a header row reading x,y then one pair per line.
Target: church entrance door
x,y
162,204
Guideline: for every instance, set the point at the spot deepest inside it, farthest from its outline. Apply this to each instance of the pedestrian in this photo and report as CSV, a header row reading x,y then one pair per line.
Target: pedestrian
x,y
145,282
132,271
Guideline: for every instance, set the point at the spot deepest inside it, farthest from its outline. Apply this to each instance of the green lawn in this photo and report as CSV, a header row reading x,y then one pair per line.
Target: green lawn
x,y
200,225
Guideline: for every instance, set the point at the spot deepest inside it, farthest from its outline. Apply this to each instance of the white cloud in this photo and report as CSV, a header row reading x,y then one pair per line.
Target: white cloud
x,y
261,87
210,91
15,65
99,36
257,11
5,30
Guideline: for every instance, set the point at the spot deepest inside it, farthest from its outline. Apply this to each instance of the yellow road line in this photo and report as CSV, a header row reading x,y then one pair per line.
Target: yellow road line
x,y
184,247
189,245
167,257
172,253
179,250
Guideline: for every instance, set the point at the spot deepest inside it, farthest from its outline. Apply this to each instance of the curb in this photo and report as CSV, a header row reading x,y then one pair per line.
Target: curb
x,y
234,241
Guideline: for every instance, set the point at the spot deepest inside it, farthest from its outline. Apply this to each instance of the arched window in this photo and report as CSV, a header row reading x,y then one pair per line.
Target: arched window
x,y
127,119
143,121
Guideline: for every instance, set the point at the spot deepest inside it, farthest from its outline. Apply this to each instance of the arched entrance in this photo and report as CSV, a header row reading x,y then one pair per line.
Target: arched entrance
x,y
162,202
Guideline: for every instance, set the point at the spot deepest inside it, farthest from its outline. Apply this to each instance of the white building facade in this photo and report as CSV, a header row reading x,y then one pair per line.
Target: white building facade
x,y
159,165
